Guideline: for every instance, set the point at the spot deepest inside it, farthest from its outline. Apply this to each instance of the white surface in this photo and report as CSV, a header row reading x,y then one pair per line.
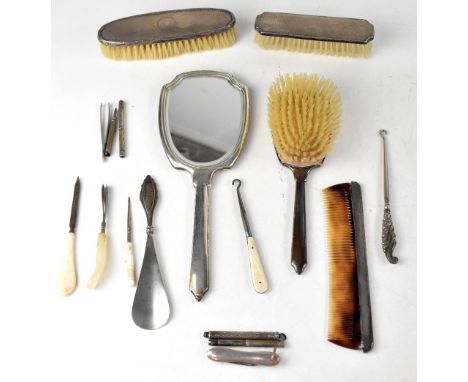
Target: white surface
x,y
90,335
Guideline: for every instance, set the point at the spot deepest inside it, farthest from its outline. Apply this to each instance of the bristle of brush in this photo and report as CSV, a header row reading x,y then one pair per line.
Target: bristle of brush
x,y
314,46
163,50
304,116
344,316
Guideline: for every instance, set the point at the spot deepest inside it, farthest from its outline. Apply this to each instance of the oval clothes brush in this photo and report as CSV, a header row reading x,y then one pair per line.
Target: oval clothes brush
x,y
165,34
304,116
336,36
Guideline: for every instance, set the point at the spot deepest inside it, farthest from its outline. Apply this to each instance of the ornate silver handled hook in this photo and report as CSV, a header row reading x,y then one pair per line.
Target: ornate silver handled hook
x,y
388,230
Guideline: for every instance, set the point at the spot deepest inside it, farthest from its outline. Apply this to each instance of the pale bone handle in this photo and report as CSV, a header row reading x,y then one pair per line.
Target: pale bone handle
x,y
130,262
67,276
243,358
259,279
101,261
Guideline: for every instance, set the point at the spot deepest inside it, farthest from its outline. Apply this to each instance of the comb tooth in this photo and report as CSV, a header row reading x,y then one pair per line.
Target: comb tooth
x,y
343,319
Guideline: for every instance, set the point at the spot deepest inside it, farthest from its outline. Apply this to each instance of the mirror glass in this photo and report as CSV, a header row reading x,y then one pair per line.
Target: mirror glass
x,y
205,118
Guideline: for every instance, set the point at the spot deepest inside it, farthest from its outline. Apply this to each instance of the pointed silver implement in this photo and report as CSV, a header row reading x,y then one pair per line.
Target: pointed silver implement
x,y
129,257
129,222
74,208
388,230
105,118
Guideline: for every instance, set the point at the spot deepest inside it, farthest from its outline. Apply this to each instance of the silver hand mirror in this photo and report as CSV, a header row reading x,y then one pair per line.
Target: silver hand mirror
x,y
203,122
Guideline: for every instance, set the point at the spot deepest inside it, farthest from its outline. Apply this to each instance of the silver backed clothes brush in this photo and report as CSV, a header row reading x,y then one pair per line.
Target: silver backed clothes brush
x,y
67,275
151,308
259,279
388,230
102,255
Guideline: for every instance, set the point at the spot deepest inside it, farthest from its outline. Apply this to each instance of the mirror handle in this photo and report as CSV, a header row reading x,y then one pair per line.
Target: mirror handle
x,y
199,266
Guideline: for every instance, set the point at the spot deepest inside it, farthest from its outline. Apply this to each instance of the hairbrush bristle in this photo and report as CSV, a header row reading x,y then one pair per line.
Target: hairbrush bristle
x,y
344,315
314,46
162,50
304,117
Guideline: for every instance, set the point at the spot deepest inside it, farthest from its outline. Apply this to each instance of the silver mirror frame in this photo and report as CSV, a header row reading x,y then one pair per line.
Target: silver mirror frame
x,y
201,174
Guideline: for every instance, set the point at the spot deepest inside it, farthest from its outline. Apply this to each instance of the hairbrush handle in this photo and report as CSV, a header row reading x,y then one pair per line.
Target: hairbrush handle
x,y
299,239
199,264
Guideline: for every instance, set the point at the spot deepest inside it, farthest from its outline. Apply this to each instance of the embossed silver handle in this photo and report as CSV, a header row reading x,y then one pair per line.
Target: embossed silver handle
x,y
388,230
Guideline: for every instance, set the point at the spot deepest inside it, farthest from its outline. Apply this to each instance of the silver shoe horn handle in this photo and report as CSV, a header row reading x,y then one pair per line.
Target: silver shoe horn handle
x,y
239,357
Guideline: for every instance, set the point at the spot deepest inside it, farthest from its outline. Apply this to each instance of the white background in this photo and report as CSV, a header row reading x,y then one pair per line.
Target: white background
x,y
90,335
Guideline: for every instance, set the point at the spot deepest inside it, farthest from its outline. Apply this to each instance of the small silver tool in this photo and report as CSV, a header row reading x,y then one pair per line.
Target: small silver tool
x,y
111,134
121,123
388,230
259,279
130,259
246,339
105,119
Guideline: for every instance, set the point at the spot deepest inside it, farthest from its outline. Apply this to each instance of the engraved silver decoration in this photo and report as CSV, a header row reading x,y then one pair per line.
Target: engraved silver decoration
x,y
388,230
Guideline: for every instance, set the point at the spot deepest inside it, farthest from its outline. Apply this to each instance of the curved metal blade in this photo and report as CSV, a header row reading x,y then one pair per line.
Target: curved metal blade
x,y
150,306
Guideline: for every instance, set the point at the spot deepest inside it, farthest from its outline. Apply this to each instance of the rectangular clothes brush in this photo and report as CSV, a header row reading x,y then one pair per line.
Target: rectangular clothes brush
x,y
349,318
165,34
336,36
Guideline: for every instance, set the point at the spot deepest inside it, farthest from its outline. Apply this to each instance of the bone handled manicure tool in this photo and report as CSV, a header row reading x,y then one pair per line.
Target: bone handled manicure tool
x,y
102,255
129,259
388,230
67,275
259,279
